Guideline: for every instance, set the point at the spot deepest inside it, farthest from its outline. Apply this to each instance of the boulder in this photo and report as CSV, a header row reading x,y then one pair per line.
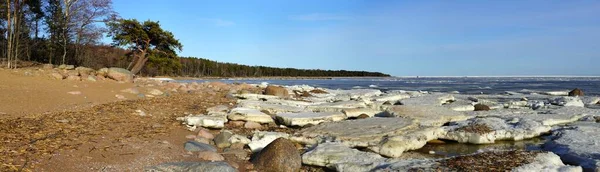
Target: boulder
x,y
276,91
481,107
576,92
119,74
192,166
280,155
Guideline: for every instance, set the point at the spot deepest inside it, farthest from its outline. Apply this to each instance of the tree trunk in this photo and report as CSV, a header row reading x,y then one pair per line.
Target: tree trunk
x,y
9,34
139,63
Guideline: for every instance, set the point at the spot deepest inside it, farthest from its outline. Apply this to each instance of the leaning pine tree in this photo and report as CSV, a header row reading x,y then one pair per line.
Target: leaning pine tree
x,y
146,41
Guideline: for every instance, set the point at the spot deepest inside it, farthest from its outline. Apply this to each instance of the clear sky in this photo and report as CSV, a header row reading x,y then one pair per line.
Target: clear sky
x,y
402,38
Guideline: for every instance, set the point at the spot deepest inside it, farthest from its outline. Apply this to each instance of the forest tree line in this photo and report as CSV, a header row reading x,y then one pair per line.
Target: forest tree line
x,y
71,31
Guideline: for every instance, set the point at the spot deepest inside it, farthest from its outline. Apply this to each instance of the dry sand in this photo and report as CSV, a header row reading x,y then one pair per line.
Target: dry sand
x,y
43,128
26,91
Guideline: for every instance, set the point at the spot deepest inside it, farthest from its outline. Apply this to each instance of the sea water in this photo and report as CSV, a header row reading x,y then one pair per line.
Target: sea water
x,y
464,85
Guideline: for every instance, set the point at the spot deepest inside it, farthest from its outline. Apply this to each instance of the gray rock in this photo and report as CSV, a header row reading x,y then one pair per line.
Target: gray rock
x,y
222,140
192,166
120,74
194,146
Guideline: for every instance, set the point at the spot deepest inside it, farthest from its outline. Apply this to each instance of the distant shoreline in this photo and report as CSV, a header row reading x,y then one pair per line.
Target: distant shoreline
x,y
268,78
358,77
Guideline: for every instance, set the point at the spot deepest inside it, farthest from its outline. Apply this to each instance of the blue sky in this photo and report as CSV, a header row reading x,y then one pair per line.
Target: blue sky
x,y
402,38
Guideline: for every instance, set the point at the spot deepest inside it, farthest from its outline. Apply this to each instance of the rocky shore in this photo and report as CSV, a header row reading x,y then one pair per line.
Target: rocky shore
x,y
162,125
370,130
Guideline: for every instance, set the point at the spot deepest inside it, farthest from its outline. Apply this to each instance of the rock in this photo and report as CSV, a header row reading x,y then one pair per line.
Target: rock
x,y
73,78
48,66
318,91
247,114
205,134
84,71
202,140
276,91
238,152
222,140
339,157
210,156
252,125
424,114
579,145
488,130
102,72
56,75
355,133
363,116
280,155
567,101
239,139
194,146
155,92
576,92
305,118
192,166
119,74
261,139
481,107
203,121
66,67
